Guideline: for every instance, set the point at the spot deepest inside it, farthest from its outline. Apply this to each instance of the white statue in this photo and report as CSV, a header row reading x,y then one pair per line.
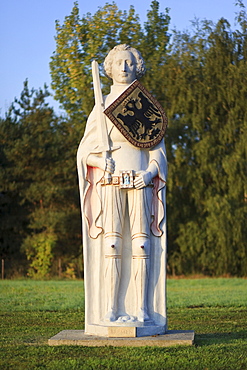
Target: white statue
x,y
124,225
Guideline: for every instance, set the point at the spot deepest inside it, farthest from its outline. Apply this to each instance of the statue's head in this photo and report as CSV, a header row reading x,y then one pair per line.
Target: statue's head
x,y
124,64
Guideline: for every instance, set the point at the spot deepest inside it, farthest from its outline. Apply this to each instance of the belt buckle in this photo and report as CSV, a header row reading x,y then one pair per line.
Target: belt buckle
x,y
115,180
126,179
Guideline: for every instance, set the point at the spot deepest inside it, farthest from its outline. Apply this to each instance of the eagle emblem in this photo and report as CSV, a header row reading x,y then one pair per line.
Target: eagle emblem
x,y
138,116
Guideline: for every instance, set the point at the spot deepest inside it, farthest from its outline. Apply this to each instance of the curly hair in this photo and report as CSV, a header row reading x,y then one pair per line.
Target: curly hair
x,y
140,65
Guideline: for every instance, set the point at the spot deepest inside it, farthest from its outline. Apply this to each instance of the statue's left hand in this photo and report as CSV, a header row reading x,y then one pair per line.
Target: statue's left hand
x,y
142,179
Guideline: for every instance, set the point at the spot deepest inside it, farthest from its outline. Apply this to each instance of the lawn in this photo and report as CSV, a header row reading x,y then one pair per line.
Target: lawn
x,y
33,311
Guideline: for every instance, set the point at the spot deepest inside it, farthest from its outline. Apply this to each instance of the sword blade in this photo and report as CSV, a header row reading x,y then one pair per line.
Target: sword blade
x,y
99,103
100,116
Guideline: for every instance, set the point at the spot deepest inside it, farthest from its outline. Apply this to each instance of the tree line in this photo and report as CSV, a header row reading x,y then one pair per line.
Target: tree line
x,y
200,78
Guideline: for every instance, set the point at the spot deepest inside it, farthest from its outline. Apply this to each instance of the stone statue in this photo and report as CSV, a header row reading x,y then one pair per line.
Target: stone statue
x,y
122,189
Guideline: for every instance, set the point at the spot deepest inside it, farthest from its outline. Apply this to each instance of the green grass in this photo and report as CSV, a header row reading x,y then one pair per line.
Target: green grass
x,y
33,311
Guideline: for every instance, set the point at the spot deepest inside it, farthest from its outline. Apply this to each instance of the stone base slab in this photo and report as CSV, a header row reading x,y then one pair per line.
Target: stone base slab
x,y
79,338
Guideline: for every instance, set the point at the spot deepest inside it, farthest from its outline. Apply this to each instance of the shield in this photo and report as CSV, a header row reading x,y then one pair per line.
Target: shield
x,y
138,116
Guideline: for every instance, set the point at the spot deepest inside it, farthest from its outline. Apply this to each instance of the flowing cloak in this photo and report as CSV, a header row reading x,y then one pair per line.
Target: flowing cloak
x,y
92,231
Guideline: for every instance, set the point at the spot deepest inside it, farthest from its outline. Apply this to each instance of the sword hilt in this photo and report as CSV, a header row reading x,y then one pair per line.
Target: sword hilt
x,y
108,178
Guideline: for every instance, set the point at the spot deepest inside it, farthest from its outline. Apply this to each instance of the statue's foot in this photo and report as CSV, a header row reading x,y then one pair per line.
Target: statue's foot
x,y
111,316
142,316
126,319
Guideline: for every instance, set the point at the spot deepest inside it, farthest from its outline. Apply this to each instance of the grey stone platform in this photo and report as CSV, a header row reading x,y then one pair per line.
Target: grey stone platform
x,y
79,338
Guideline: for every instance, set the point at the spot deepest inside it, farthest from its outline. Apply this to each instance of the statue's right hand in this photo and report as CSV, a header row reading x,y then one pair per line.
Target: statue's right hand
x,y
110,165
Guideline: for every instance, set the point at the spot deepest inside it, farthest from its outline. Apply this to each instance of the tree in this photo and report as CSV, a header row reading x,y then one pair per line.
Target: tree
x,y
76,48
13,217
42,172
207,94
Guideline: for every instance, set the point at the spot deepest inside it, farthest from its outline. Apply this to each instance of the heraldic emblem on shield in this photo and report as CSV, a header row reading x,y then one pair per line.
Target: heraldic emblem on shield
x,y
138,116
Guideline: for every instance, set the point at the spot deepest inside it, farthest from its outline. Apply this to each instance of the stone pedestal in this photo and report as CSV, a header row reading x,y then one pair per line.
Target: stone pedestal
x,y
79,338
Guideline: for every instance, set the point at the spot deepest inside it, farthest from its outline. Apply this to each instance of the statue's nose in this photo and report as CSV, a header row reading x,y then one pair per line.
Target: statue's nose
x,y
123,65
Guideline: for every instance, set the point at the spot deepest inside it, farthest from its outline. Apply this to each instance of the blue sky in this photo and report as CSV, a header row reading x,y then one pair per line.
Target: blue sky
x,y
27,29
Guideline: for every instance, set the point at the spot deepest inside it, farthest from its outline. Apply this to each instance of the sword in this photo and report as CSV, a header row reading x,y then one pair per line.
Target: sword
x,y
101,118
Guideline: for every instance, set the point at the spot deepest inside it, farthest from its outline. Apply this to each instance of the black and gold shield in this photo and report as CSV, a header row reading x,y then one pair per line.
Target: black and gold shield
x,y
138,116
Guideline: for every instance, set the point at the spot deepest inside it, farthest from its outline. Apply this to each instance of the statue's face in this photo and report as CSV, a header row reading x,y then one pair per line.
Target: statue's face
x,y
123,68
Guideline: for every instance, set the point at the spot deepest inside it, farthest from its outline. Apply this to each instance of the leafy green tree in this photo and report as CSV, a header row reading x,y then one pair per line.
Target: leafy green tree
x,y
79,41
206,90
42,172
13,217
154,48
76,48
39,250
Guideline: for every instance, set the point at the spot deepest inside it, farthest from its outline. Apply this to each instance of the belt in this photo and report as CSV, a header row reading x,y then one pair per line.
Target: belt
x,y
114,180
118,181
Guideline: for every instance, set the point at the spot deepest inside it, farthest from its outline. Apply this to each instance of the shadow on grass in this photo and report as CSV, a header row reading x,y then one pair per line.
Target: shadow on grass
x,y
219,338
